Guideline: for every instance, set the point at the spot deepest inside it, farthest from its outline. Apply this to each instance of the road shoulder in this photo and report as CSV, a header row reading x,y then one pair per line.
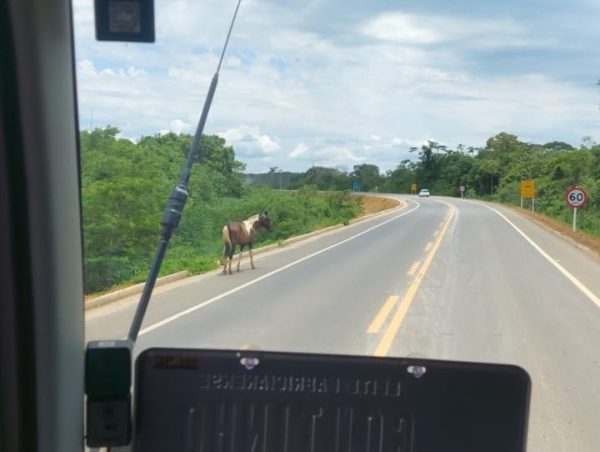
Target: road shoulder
x,y
124,296
580,261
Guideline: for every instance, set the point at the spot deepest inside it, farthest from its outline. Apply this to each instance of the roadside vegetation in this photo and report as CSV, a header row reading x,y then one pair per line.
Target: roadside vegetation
x,y
125,186
493,172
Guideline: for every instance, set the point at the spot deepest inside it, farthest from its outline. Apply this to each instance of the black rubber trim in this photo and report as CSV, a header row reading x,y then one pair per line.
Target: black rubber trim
x,y
17,375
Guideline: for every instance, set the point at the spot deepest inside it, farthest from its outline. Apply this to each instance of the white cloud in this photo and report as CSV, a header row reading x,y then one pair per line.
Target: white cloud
x,y
132,71
189,76
400,142
300,151
108,71
234,62
179,126
407,143
332,155
426,29
248,141
401,27
87,69
393,74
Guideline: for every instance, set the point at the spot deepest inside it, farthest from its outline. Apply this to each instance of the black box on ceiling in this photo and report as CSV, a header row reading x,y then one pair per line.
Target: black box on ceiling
x,y
124,20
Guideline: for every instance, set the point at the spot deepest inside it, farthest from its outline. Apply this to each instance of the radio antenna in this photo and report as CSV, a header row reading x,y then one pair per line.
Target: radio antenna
x,y
177,199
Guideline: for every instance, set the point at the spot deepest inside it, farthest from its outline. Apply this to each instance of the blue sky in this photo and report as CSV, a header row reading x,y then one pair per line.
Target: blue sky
x,y
339,83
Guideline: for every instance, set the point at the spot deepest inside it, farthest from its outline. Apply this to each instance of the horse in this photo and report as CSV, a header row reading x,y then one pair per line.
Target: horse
x,y
235,233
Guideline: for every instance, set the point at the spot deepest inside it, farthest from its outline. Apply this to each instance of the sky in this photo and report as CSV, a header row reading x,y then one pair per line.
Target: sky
x,y
345,82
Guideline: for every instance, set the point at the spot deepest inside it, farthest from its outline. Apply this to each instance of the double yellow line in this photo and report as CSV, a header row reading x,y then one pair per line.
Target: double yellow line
x,y
388,337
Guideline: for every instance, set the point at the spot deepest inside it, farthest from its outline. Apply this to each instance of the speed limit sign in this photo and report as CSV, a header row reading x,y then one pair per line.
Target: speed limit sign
x,y
576,197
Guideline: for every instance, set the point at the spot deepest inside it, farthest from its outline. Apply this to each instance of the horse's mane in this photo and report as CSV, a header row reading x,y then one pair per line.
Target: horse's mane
x,y
252,219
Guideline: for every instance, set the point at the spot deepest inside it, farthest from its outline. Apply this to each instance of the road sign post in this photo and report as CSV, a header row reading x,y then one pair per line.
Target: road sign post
x,y
528,191
576,198
462,191
413,189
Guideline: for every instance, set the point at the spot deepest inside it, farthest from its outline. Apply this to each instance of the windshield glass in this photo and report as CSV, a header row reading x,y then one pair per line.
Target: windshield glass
x,y
412,179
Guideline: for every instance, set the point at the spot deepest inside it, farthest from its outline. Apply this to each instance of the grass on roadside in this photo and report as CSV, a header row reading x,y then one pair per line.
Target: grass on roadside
x,y
180,257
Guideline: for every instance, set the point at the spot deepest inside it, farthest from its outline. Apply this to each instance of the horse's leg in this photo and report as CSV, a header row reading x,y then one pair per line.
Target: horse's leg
x,y
227,248
231,253
240,256
225,257
251,256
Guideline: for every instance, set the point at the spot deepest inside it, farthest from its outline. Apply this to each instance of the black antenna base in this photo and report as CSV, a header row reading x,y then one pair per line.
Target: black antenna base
x,y
174,210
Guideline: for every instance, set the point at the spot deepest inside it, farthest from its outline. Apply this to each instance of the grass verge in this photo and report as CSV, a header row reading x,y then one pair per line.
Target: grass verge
x,y
197,264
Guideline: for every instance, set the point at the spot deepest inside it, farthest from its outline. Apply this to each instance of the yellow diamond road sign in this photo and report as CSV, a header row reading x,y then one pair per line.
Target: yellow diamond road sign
x,y
413,187
528,188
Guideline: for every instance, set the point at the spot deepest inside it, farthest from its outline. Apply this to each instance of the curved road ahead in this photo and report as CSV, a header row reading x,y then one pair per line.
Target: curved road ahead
x,y
441,278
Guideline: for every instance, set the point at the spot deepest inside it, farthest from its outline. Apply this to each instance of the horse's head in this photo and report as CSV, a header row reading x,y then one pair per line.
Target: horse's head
x,y
265,221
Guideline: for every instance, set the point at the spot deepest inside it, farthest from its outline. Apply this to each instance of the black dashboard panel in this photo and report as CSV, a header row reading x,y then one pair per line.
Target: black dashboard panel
x,y
203,400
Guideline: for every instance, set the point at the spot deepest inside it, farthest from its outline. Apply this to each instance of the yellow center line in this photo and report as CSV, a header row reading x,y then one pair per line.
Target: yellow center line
x,y
413,268
388,338
428,246
375,325
435,234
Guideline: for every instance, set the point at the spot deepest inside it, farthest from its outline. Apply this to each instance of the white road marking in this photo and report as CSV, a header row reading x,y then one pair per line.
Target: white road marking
x,y
267,275
587,292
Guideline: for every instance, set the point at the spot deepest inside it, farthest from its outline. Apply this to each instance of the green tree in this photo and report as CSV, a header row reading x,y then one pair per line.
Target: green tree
x,y
368,176
125,186
400,179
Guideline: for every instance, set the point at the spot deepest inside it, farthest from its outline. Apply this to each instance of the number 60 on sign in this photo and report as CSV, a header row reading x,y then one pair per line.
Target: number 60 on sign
x,y
576,197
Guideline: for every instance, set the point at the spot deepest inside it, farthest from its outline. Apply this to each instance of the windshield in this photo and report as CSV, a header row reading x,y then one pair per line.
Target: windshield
x,y
330,122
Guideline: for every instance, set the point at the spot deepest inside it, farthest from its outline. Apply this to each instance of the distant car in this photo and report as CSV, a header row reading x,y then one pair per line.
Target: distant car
x,y
423,193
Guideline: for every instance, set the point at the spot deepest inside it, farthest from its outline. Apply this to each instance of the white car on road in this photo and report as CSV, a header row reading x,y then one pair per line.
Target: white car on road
x,y
424,192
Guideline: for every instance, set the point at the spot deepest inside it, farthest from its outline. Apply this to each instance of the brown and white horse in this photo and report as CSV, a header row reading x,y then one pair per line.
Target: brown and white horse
x,y
242,234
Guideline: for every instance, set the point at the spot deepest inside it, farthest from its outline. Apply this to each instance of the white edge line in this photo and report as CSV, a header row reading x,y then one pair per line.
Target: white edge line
x,y
587,292
267,275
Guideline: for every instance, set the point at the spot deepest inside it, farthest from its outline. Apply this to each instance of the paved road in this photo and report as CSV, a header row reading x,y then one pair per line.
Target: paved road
x,y
442,278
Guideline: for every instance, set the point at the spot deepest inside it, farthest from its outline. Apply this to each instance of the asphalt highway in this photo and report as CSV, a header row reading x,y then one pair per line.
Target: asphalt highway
x,y
439,278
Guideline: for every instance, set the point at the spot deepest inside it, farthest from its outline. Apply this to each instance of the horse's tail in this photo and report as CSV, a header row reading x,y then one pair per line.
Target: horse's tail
x,y
227,242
